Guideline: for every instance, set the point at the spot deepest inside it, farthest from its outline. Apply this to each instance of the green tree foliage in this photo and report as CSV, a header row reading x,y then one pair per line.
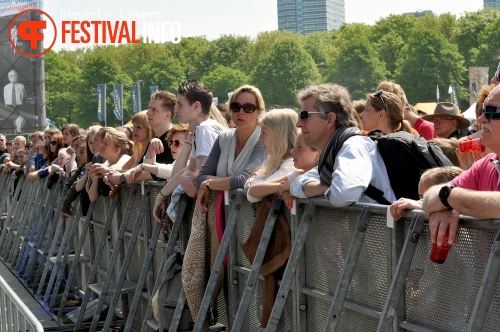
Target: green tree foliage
x,y
489,48
319,44
286,69
355,64
165,72
188,52
223,80
62,82
426,61
470,26
101,69
226,51
262,45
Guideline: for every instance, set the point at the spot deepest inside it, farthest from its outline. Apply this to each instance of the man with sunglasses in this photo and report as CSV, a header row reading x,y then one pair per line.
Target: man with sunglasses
x,y
194,100
475,192
349,162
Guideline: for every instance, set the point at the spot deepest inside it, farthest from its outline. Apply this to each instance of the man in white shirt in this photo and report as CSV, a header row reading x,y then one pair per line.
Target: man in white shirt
x,y
346,167
14,92
194,100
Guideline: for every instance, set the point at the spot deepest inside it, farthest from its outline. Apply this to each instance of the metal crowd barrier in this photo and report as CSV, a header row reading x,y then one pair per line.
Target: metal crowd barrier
x,y
350,269
14,314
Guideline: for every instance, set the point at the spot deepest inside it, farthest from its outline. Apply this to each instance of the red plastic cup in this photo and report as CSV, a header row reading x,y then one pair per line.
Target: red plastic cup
x,y
439,254
465,145
473,145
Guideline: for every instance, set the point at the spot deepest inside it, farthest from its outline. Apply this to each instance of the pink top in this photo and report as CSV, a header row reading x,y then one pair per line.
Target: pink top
x,y
425,128
482,176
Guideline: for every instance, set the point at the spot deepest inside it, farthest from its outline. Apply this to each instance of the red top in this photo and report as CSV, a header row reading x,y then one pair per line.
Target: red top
x,y
425,128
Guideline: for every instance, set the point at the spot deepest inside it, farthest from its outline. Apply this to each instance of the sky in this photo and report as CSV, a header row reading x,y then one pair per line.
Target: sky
x,y
222,17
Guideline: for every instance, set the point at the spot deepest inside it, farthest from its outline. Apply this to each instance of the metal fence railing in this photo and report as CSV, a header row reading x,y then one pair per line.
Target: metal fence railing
x,y
348,270
14,314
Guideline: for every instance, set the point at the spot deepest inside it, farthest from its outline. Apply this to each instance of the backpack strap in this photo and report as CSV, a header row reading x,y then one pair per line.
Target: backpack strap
x,y
376,194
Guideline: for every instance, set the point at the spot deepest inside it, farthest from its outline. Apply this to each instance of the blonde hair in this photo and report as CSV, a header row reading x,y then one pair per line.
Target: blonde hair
x,y
439,175
64,151
282,124
261,106
216,115
120,141
141,120
20,138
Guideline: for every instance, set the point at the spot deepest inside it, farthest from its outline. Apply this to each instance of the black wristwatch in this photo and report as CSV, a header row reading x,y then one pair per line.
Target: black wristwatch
x,y
122,179
444,193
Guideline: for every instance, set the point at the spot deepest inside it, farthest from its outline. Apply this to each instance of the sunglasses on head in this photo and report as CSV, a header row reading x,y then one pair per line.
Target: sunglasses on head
x,y
175,143
379,94
247,107
53,143
491,112
305,114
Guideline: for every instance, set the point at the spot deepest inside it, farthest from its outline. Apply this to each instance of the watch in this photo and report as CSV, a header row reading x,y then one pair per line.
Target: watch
x,y
123,180
207,183
444,193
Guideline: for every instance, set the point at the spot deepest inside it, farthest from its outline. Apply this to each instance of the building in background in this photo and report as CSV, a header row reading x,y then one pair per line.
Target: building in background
x,y
492,3
420,13
306,16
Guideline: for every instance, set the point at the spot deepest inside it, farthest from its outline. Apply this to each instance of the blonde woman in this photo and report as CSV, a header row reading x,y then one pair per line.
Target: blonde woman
x,y
278,135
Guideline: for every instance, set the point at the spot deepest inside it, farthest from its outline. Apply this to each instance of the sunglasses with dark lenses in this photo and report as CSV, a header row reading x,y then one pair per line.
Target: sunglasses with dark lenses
x,y
497,74
175,143
305,114
379,94
491,112
247,107
53,142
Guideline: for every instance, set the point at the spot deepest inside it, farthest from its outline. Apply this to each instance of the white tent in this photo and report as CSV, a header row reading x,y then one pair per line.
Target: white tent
x,y
470,113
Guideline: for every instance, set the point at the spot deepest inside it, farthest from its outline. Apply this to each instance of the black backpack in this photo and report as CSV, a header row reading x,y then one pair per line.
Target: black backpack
x,y
406,157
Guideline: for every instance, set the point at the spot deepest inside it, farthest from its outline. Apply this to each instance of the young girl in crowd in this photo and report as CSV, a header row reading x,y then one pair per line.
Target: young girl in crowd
x,y
304,158
429,178
278,134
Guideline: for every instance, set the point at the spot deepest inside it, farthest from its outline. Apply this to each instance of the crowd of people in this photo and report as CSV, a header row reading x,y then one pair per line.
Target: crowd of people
x,y
275,152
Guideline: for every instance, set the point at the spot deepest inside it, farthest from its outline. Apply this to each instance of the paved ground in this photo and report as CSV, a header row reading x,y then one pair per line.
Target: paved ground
x,y
28,300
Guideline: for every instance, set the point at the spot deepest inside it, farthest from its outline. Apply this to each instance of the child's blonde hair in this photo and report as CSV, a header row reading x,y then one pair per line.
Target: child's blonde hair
x,y
439,175
282,123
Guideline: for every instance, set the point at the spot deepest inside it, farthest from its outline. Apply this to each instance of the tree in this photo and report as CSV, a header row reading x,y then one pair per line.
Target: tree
x,y
319,44
470,26
188,52
226,51
101,69
223,80
286,69
62,82
489,49
426,61
355,63
164,72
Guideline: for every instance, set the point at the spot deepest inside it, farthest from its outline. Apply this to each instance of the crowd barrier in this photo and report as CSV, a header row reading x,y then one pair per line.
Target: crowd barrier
x,y
350,269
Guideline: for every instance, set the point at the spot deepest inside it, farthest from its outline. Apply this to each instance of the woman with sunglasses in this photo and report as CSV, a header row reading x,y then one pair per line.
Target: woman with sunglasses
x,y
235,156
50,156
384,111
278,134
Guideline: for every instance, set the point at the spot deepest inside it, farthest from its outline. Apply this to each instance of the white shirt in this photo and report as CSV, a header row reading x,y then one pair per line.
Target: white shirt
x,y
285,167
357,165
204,138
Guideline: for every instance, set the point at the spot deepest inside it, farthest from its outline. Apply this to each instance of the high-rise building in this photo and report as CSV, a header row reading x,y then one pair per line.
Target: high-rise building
x,y
306,16
492,3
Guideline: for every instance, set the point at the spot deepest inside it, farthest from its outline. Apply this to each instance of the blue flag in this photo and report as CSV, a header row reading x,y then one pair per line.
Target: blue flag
x,y
135,99
118,98
101,102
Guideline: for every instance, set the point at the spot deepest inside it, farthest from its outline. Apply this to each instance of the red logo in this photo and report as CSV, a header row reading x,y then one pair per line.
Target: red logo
x,y
29,30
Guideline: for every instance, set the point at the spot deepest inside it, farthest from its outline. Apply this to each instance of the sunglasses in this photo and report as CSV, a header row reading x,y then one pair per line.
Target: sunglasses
x,y
53,143
497,74
379,94
175,143
1,140
247,107
491,112
305,114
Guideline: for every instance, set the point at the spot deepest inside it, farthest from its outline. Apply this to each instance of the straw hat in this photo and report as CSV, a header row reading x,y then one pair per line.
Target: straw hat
x,y
451,110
